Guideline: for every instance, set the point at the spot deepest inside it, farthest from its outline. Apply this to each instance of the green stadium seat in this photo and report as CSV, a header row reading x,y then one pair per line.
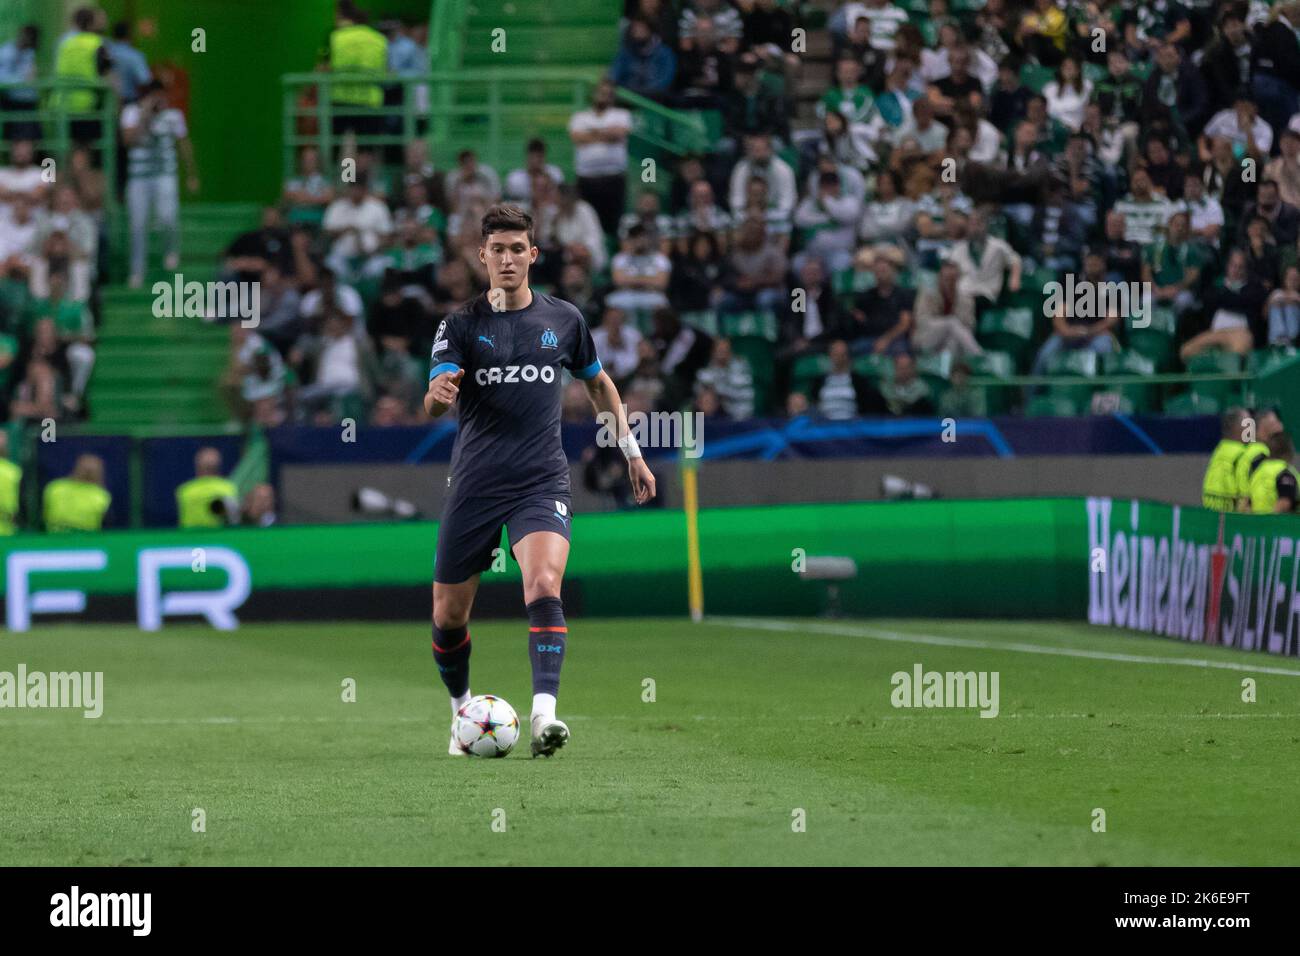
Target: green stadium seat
x,y
1075,362
1008,330
705,320
1141,397
874,367
1216,363
1155,341
1030,296
1127,363
807,369
760,354
1111,402
760,323
1036,77
1095,72
998,364
1048,405
1264,361
1073,367
936,370
848,282
994,365
1190,403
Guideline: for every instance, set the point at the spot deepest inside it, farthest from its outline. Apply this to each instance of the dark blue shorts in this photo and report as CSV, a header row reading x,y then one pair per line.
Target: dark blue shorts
x,y
470,530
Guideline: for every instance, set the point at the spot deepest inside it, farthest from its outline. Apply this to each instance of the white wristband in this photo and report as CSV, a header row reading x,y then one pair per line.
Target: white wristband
x,y
629,447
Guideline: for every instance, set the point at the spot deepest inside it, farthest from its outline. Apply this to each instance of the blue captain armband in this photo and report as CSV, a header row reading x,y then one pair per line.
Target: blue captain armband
x,y
591,371
444,367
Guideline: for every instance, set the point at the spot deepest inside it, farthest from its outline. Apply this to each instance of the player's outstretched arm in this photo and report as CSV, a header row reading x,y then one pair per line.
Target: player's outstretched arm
x,y
609,408
442,392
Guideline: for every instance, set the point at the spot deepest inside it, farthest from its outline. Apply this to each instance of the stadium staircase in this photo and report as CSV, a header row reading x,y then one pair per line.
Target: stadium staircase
x,y
575,34
163,372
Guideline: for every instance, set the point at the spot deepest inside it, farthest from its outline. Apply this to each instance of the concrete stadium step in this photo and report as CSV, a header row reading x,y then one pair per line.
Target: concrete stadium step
x,y
191,370
153,334
163,371
543,45
490,14
104,417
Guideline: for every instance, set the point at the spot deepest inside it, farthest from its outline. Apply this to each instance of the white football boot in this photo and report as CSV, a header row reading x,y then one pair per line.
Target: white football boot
x,y
549,734
453,748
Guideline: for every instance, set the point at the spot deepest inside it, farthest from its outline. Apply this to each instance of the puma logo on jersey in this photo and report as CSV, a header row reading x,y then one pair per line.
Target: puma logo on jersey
x,y
488,339
514,373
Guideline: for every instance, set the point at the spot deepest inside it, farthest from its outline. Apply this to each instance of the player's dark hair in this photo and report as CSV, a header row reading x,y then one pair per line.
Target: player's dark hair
x,y
84,18
507,218
122,30
1281,446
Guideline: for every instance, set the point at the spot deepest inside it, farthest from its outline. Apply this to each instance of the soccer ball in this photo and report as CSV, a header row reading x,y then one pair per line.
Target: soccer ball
x,y
486,727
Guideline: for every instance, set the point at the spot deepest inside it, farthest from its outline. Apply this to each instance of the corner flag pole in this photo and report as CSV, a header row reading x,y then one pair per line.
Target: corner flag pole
x,y
691,504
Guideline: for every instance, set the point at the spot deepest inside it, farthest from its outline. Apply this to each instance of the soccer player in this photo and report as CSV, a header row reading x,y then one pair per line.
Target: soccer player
x,y
499,361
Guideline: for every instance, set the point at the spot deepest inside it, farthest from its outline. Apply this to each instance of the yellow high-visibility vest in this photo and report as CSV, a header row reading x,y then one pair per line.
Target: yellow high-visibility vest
x,y
195,498
1252,453
72,505
1219,491
358,49
1263,485
11,478
77,58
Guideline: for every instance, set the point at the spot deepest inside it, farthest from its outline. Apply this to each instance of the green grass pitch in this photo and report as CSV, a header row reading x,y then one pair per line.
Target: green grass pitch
x,y
748,726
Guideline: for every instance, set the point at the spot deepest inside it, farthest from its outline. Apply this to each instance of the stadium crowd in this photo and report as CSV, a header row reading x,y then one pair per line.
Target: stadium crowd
x,y
53,225
961,158
54,256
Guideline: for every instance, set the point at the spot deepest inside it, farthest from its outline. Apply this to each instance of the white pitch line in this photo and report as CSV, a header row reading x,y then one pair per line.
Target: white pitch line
x,y
877,634
604,718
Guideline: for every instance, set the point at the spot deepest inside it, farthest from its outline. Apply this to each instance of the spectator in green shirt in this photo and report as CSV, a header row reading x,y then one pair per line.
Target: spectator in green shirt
x,y
1173,265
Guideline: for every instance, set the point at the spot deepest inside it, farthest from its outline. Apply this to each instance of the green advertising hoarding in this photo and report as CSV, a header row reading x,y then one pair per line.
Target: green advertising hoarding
x,y
959,558
1194,574
1152,567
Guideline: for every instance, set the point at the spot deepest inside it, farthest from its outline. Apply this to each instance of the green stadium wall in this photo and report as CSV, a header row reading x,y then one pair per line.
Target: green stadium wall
x,y
235,101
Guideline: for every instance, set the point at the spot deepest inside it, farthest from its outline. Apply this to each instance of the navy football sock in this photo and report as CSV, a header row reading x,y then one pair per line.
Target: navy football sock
x,y
547,635
451,652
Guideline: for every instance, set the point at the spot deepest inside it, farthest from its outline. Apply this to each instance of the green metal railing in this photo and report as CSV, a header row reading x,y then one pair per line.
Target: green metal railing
x,y
484,101
55,123
1107,381
675,131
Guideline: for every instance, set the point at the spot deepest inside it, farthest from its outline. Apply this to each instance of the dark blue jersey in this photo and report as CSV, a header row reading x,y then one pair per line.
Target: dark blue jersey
x,y
508,439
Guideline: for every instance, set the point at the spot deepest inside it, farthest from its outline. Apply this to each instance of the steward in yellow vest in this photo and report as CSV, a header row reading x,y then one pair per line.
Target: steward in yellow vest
x,y
79,501
357,48
1221,490
206,501
1275,484
81,55
11,479
1267,424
